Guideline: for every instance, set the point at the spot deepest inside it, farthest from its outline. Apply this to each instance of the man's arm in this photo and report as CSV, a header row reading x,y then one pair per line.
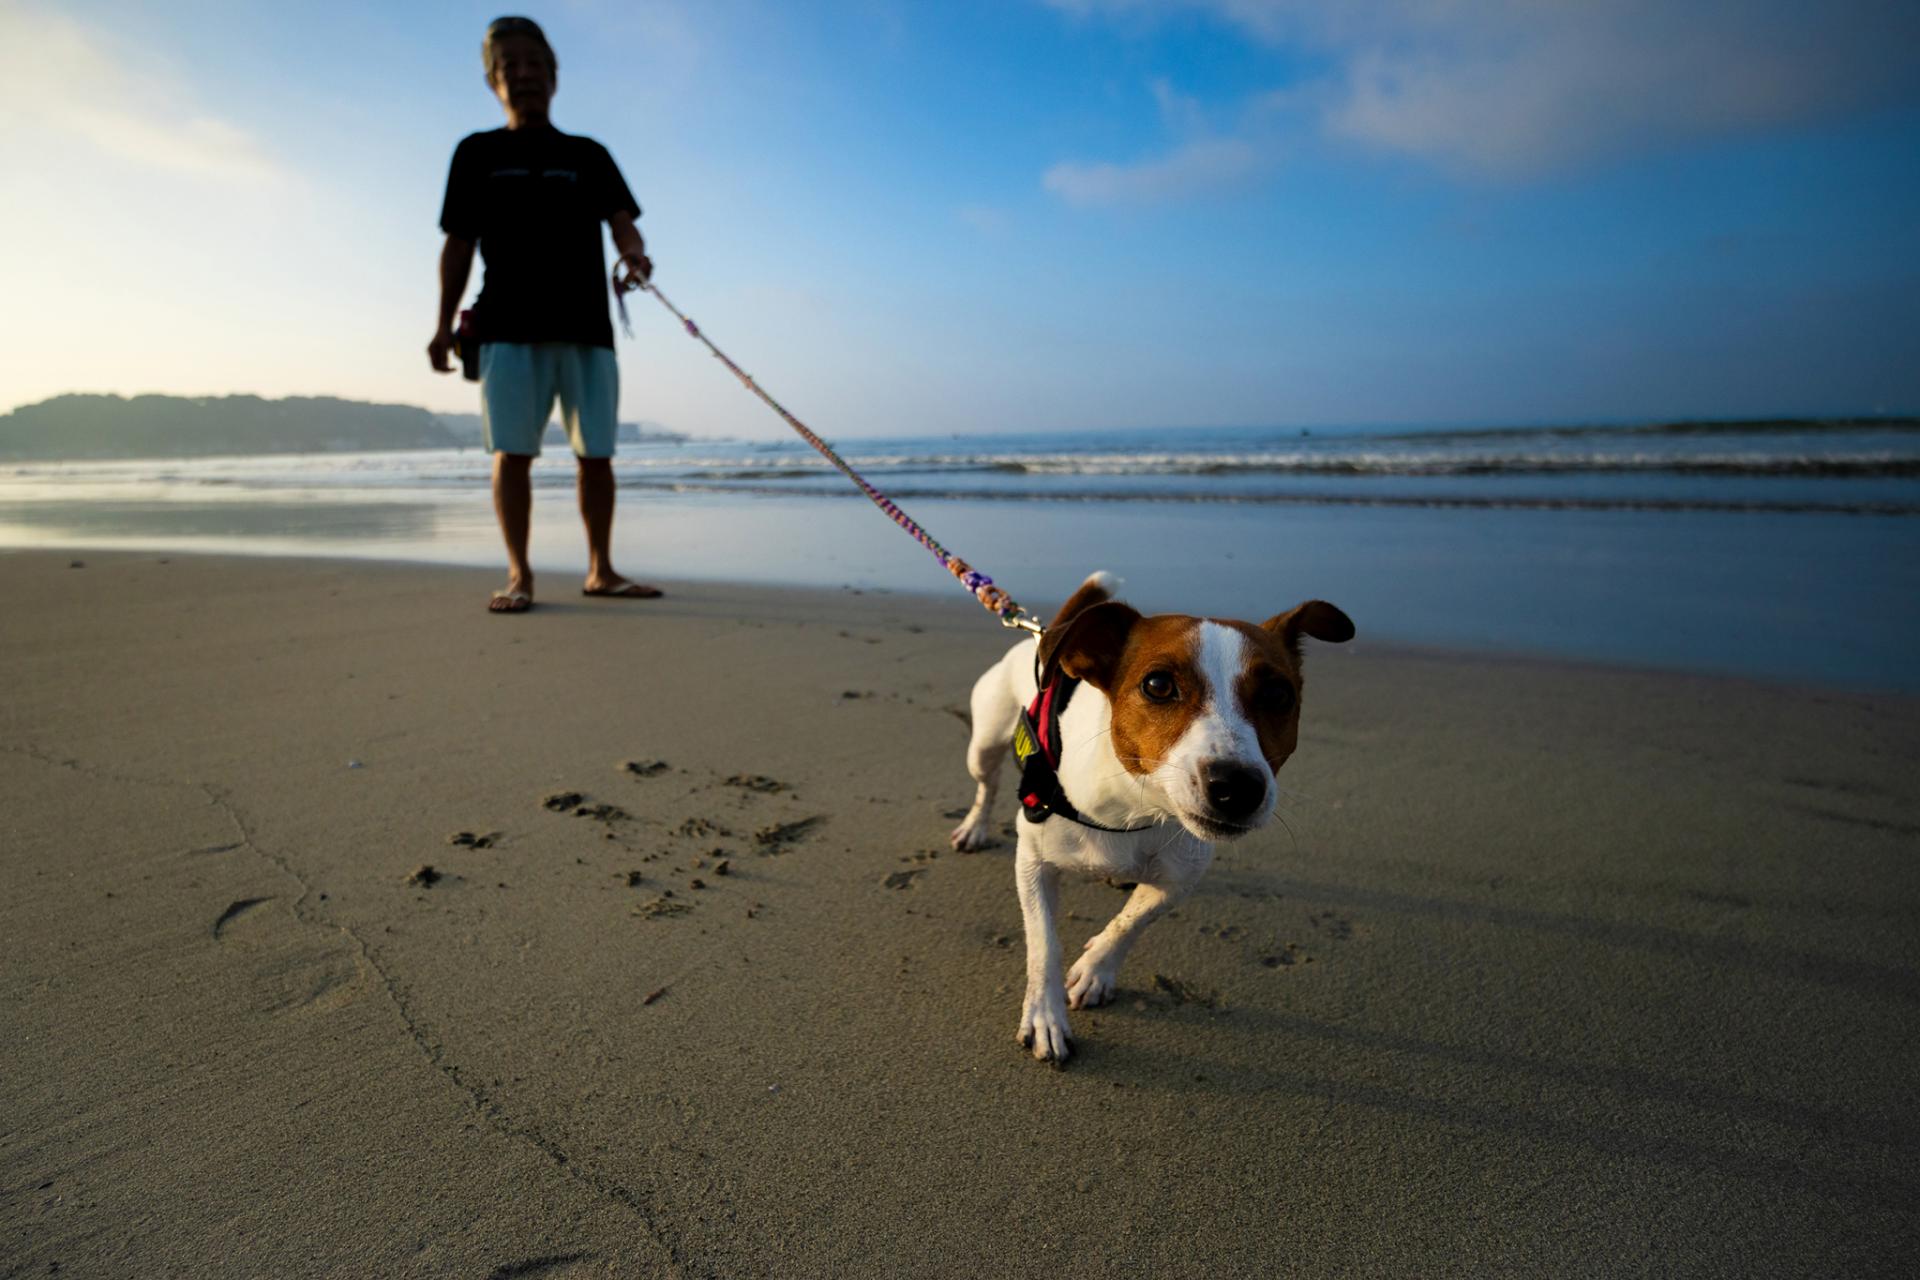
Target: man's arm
x,y
633,250
456,263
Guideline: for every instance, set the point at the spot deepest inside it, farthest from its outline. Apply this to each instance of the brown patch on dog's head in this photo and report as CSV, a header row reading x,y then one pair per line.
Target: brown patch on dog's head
x,y
1114,649
1150,671
1314,618
1157,690
1089,641
1268,688
1091,592
1267,692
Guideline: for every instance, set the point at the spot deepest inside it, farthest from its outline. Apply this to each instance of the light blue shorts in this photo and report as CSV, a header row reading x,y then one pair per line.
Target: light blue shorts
x,y
519,382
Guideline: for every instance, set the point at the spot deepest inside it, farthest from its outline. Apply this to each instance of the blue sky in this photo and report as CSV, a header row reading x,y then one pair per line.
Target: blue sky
x,y
1009,215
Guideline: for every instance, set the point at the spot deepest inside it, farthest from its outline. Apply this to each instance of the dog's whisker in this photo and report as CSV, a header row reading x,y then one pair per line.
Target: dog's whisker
x,y
1292,835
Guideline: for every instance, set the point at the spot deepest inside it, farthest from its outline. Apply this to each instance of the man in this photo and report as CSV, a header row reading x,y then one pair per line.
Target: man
x,y
533,199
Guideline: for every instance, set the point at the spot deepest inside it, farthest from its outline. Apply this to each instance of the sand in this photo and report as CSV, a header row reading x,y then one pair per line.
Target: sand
x,y
312,968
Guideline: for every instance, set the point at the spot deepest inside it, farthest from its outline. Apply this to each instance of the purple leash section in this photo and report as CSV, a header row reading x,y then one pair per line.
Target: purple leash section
x,y
994,599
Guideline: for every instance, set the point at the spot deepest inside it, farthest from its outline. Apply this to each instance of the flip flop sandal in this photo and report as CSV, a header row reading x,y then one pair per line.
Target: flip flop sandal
x,y
628,591
516,602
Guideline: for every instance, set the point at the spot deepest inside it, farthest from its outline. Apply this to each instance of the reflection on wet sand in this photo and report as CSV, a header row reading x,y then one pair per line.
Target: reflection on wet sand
x,y
49,521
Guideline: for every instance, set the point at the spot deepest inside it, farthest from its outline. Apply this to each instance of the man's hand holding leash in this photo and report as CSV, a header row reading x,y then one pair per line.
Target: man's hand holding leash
x,y
632,272
635,268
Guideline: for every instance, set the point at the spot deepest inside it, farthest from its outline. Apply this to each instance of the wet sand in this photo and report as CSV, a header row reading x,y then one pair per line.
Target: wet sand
x,y
350,931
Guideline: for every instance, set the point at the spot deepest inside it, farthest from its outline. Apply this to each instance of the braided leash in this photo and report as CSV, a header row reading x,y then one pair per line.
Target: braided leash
x,y
995,600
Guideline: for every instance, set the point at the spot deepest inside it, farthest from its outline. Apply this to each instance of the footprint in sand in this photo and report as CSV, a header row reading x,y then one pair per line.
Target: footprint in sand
x,y
1184,992
552,1266
1335,927
292,967
235,911
645,768
756,782
776,838
575,803
664,905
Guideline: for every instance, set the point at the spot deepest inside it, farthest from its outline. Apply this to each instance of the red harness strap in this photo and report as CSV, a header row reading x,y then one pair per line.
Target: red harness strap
x,y
1036,745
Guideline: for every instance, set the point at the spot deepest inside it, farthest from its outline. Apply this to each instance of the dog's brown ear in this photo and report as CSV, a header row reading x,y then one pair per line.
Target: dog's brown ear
x,y
1097,588
1315,618
1088,647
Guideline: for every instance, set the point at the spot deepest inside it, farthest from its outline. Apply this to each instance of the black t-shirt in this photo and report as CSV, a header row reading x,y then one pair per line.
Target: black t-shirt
x,y
534,200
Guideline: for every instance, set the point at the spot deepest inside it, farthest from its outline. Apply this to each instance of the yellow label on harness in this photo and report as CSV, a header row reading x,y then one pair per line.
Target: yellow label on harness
x,y
1023,743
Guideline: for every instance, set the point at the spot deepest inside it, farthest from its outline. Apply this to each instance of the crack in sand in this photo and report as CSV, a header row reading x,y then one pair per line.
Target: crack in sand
x,y
492,1113
496,1117
74,765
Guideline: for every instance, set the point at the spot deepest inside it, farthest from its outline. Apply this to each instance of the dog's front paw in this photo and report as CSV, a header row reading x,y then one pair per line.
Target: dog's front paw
x,y
972,835
1091,981
1043,1026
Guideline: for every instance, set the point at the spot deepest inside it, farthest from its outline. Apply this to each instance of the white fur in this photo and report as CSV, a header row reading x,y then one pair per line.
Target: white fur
x,y
1220,734
1164,861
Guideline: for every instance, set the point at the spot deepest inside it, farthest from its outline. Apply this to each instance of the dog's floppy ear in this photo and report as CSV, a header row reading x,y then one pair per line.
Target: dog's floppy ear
x,y
1089,645
1315,618
1095,590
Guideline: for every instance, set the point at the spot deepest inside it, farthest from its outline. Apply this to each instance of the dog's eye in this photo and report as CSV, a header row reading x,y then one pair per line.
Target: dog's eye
x,y
1276,697
1159,687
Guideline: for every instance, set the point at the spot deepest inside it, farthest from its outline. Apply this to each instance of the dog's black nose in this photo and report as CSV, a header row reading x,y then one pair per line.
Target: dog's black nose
x,y
1234,790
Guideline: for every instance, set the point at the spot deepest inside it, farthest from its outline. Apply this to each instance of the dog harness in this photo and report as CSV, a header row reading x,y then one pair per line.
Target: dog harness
x,y
1036,746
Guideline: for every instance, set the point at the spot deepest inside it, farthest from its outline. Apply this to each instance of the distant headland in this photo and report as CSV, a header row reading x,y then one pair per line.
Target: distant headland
x,y
83,426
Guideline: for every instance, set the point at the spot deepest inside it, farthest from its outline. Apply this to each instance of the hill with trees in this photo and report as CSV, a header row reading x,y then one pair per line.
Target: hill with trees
x,y
154,426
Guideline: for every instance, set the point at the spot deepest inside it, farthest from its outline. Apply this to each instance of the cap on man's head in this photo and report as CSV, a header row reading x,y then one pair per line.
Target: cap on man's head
x,y
500,28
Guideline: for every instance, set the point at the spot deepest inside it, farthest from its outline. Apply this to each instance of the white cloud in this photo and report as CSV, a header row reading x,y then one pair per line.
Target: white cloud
x,y
1180,112
65,82
1518,88
1211,164
1201,162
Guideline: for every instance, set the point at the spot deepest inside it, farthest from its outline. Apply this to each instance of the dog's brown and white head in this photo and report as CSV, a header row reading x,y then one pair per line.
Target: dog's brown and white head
x,y
1204,710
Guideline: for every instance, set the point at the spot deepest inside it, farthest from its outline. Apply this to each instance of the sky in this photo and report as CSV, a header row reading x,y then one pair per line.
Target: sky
x,y
1007,215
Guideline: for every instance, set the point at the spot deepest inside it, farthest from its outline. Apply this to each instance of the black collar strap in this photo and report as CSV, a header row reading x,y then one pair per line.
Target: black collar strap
x,y
1036,745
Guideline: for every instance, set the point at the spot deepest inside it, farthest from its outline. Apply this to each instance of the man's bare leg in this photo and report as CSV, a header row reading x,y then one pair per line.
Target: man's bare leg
x,y
596,510
513,504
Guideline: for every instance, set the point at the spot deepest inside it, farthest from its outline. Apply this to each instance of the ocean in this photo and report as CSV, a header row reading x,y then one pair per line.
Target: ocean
x,y
1783,551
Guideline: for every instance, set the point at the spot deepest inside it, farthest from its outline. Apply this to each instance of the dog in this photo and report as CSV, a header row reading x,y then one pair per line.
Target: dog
x,y
1144,741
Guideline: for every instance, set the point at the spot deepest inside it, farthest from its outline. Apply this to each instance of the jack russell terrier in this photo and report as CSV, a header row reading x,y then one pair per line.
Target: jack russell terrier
x,y
1143,742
